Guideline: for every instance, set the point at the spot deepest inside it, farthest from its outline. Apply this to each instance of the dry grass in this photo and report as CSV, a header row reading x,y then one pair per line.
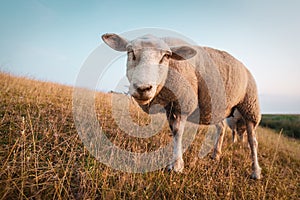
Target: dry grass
x,y
42,156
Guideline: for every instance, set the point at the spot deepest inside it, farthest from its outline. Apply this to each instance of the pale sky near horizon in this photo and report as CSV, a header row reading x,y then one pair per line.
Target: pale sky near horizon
x,y
50,40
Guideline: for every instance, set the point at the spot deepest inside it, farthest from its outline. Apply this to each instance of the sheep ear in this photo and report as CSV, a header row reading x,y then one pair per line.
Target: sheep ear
x,y
115,41
182,52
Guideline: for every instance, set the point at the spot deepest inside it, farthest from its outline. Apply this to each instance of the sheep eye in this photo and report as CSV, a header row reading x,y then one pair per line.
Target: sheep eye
x,y
166,56
131,55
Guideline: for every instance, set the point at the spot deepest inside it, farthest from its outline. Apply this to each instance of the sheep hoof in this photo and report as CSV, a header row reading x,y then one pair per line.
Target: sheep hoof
x,y
256,174
216,157
177,166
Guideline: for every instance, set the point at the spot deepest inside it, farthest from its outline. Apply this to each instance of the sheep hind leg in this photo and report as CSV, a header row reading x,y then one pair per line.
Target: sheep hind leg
x,y
218,145
256,170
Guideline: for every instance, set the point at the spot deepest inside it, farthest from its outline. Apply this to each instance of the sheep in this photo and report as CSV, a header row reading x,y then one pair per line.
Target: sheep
x,y
237,125
186,79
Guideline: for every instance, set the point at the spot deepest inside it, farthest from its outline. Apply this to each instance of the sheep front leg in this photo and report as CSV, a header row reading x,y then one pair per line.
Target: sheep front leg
x,y
177,124
234,133
218,146
232,123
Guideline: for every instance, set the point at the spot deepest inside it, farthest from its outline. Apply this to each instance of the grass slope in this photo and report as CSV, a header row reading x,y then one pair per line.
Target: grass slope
x,y
42,156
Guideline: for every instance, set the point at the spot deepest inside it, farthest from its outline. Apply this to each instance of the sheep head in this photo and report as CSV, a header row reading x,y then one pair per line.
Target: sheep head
x,y
148,59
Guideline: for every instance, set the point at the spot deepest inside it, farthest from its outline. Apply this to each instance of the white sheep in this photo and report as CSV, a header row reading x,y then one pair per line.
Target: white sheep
x,y
187,79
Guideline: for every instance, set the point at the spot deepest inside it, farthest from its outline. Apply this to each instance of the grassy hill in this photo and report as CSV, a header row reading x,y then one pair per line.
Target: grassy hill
x,y
42,156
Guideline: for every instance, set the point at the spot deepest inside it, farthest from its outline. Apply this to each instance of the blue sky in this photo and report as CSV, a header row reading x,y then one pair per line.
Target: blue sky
x,y
50,40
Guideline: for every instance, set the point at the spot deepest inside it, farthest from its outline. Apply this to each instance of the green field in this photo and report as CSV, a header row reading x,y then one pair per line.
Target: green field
x,y
42,156
289,124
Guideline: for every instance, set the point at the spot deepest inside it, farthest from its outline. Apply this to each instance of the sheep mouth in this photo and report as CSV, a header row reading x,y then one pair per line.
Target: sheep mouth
x,y
143,98
142,101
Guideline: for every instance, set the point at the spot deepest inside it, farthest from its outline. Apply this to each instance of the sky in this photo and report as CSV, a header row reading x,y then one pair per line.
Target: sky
x,y
50,40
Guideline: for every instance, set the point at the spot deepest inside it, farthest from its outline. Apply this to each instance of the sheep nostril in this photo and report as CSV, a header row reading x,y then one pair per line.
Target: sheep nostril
x,y
143,88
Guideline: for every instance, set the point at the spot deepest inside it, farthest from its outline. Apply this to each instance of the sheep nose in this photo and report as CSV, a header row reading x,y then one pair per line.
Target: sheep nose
x,y
143,88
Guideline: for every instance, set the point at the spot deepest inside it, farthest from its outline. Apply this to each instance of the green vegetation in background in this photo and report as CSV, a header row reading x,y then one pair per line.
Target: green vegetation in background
x,y
290,124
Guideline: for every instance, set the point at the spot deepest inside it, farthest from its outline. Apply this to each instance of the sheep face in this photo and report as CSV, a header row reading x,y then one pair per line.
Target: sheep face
x,y
147,70
147,63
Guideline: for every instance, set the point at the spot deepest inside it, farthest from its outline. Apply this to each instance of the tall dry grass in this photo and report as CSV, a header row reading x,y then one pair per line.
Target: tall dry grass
x,y
42,156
